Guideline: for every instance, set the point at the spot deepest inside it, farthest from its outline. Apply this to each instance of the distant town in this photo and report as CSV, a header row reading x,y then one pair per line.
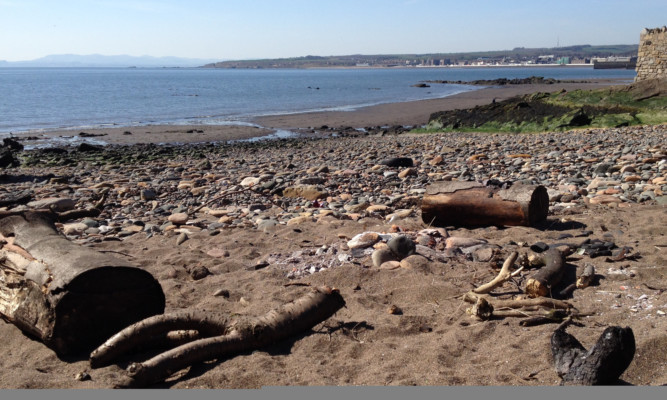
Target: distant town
x,y
611,56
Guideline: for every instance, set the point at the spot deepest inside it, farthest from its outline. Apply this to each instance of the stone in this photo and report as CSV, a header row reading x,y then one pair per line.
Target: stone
x,y
437,160
484,254
76,228
308,192
181,238
398,162
218,253
402,246
148,195
390,265
416,262
356,208
53,203
539,247
381,256
250,181
458,242
199,272
178,218
299,220
377,208
605,199
363,240
407,172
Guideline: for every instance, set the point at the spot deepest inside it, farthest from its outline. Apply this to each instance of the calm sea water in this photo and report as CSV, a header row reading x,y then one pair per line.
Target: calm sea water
x,y
33,99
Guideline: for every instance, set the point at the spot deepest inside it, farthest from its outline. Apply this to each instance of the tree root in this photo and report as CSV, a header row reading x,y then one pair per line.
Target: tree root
x,y
228,337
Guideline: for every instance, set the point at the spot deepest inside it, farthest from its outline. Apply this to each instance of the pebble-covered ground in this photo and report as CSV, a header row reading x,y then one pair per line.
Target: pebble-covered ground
x,y
292,210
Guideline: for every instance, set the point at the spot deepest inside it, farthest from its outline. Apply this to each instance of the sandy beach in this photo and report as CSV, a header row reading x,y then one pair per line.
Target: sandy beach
x,y
243,228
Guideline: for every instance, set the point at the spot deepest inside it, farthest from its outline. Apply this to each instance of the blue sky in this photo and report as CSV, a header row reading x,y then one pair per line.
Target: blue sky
x,y
245,29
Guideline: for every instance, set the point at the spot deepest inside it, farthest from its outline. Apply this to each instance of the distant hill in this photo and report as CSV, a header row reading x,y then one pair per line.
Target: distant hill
x,y
98,60
579,54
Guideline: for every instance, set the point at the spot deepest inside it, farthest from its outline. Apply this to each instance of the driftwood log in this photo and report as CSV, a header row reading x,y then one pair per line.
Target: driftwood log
x,y
603,364
69,297
216,335
547,277
474,204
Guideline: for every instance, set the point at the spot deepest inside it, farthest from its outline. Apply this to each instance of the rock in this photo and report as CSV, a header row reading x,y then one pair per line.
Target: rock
x,y
299,220
407,172
398,162
437,160
539,247
416,262
181,238
266,224
178,218
148,195
308,192
458,242
605,199
7,159
199,272
381,256
218,253
398,214
221,293
363,240
357,208
402,246
377,208
484,254
390,265
55,204
76,228
250,181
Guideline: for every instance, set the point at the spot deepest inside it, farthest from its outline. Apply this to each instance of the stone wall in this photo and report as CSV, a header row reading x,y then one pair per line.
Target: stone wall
x,y
652,56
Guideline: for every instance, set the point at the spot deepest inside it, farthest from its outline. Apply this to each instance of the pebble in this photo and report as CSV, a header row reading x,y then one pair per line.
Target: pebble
x,y
401,246
181,238
383,255
415,262
352,178
363,240
178,218
55,204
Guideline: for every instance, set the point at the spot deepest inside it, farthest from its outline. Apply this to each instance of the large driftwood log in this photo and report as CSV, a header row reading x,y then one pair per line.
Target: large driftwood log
x,y
473,204
223,336
603,364
70,297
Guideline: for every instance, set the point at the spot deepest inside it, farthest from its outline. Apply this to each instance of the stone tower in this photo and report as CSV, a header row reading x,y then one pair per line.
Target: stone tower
x,y
652,55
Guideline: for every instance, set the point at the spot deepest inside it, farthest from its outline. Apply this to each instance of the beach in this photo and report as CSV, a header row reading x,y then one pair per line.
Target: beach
x,y
413,113
243,228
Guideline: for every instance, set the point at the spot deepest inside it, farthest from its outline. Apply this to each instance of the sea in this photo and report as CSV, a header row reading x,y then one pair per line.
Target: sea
x,y
42,99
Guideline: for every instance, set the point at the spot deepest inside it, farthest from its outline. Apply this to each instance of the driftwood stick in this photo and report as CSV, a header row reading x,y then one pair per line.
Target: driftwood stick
x,y
518,303
503,276
206,324
239,335
586,276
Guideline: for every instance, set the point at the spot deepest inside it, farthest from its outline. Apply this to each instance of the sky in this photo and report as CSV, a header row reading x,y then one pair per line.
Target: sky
x,y
252,29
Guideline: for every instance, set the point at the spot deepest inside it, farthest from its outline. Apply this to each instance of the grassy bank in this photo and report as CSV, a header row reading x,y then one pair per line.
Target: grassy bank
x,y
643,103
